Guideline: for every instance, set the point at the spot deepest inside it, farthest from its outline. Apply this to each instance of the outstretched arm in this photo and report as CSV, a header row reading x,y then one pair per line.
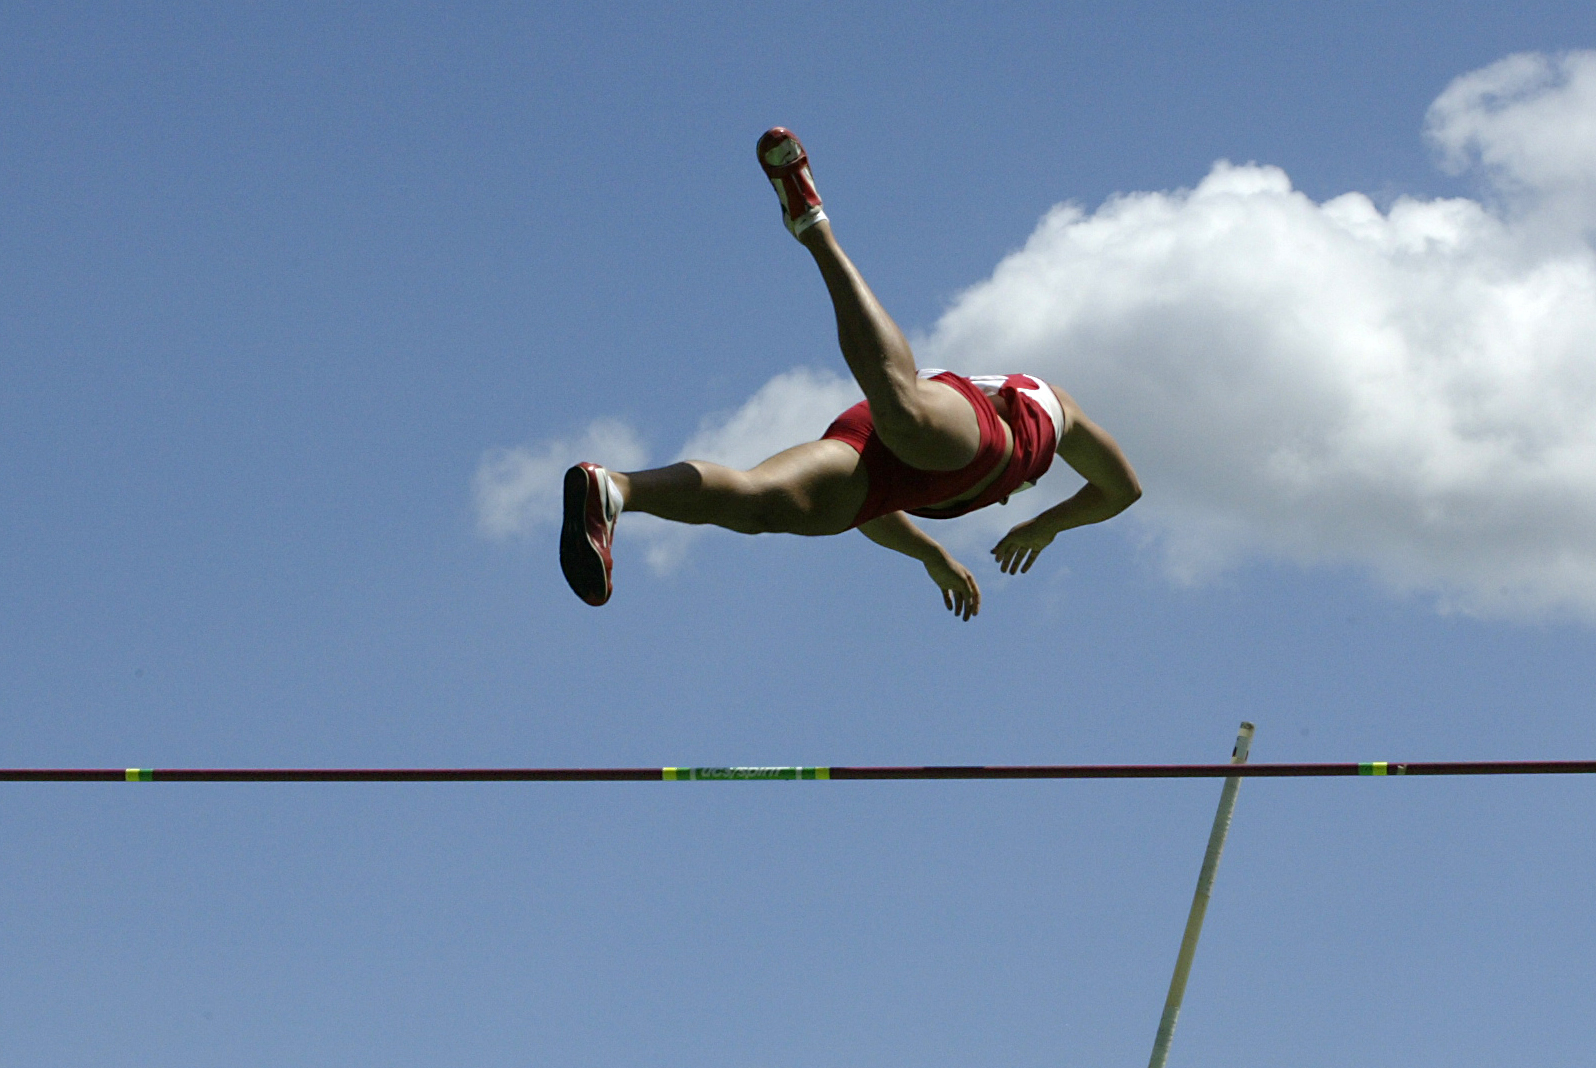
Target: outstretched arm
x,y
895,531
1111,487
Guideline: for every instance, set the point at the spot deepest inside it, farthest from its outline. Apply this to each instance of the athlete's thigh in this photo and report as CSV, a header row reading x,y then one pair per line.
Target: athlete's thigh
x,y
813,488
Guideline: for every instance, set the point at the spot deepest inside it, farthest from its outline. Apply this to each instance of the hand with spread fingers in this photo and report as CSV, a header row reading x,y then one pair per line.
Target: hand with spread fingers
x,y
1021,546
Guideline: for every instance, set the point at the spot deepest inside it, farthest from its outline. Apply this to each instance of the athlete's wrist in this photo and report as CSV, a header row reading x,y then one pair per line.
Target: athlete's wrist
x,y
1049,524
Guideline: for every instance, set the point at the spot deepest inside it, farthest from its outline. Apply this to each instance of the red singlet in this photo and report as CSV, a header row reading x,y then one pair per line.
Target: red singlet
x,y
897,487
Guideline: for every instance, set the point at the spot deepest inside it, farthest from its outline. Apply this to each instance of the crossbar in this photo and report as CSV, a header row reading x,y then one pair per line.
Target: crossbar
x,y
999,771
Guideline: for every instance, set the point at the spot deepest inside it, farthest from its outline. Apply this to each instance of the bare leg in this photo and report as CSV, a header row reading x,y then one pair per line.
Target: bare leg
x,y
815,488
926,424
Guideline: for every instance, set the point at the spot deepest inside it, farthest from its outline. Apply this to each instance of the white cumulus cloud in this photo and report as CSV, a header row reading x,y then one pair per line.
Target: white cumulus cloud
x,y
1529,120
1410,390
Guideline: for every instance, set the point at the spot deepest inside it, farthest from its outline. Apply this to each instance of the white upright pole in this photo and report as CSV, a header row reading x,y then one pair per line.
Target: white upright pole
x,y
1199,903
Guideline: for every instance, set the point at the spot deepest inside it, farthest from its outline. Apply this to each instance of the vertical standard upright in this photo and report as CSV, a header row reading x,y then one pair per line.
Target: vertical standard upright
x,y
1199,902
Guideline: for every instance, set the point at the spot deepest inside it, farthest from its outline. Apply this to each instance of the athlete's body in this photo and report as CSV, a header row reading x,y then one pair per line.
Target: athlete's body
x,y
938,446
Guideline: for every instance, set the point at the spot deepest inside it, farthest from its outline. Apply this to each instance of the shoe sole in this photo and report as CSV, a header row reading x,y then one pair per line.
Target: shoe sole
x,y
579,560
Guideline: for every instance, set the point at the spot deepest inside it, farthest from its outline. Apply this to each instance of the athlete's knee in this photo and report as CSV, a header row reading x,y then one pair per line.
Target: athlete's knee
x,y
897,399
770,508
774,512
740,501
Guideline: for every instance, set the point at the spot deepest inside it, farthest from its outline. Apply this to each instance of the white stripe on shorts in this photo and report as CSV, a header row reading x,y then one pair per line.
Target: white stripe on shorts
x,y
1041,393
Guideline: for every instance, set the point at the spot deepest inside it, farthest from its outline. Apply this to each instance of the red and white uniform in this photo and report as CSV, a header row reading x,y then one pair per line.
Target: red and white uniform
x,y
1036,420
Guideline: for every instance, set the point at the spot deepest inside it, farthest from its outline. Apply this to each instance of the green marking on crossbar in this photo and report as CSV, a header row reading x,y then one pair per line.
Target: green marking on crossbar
x,y
1380,767
140,774
728,774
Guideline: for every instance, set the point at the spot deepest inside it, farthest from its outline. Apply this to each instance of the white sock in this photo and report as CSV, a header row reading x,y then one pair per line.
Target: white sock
x,y
613,502
806,220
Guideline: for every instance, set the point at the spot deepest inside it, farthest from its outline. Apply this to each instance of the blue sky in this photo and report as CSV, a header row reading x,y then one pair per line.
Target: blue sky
x,y
276,280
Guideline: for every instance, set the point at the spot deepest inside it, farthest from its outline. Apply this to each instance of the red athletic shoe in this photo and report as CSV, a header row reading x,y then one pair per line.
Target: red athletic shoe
x,y
786,164
592,504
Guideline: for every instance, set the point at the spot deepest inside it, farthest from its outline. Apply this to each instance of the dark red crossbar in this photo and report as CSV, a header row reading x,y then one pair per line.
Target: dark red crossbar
x,y
1224,771
1012,771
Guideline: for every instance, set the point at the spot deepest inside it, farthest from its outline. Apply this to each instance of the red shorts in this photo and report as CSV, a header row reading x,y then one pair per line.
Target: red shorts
x,y
897,487
1035,422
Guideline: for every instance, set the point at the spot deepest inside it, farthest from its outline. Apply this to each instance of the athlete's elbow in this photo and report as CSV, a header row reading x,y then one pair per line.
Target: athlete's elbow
x,y
1124,493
